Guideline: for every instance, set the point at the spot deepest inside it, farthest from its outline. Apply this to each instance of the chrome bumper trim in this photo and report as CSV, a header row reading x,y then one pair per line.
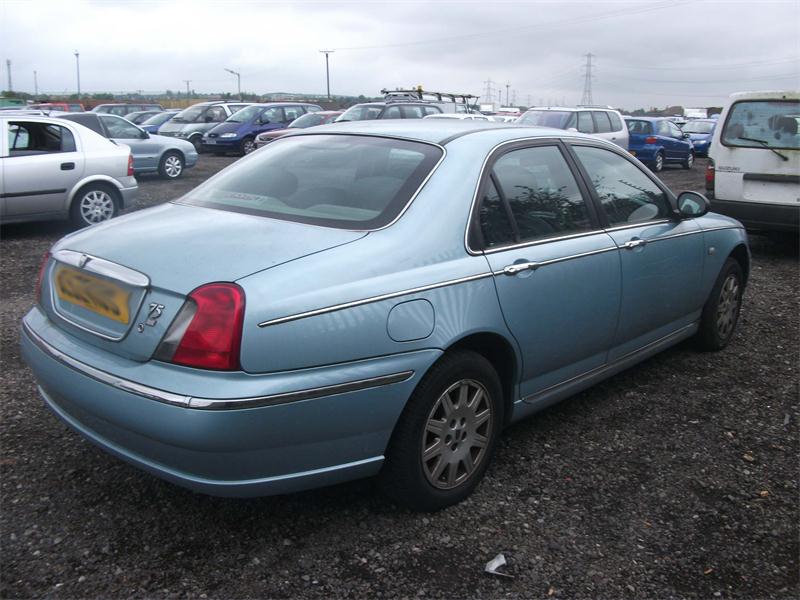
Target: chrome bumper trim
x,y
192,402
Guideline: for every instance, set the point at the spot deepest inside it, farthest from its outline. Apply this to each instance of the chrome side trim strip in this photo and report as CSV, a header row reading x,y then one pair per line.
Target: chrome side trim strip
x,y
723,227
538,242
103,267
371,299
640,224
537,265
192,402
610,366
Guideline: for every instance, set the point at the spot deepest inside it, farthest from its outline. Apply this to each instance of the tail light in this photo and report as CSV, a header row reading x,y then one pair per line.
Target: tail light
x,y
207,333
130,165
40,277
650,139
710,173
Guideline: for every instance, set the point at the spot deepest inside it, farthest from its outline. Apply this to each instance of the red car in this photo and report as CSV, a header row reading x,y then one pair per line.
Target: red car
x,y
61,106
322,117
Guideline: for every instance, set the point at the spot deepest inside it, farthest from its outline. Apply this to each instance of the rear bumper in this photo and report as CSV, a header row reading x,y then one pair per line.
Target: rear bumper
x,y
129,193
284,447
644,153
760,216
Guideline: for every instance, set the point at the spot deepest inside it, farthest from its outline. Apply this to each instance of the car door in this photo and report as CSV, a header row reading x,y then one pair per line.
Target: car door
x,y
666,140
682,146
146,150
43,164
556,271
661,256
270,118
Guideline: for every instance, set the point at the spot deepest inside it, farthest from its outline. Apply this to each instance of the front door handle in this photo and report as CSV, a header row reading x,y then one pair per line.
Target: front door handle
x,y
635,243
68,166
519,268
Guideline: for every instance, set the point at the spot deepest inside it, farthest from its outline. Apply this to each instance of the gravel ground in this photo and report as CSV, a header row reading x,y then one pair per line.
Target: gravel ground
x,y
676,478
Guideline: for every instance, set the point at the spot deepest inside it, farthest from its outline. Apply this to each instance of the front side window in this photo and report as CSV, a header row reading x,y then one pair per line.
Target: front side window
x,y
626,193
585,124
120,128
541,194
662,128
763,124
412,112
674,130
342,181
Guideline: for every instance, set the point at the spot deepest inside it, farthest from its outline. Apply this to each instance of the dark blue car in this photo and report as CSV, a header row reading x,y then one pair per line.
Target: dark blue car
x,y
238,132
657,141
700,133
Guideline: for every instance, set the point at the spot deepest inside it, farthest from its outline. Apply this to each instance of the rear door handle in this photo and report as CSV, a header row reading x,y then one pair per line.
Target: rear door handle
x,y
635,243
68,166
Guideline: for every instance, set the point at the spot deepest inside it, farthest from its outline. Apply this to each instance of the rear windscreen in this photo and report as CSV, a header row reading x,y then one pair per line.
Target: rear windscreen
x,y
763,124
545,118
343,181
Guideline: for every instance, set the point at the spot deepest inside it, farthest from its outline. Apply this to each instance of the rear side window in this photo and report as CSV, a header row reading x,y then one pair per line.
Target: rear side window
x,y
292,112
601,121
493,218
763,124
412,112
39,138
393,112
626,193
343,181
616,122
585,124
540,195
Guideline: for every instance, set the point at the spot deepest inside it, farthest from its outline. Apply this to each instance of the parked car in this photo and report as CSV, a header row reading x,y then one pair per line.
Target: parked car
x,y
152,124
58,106
140,116
354,300
191,123
605,123
459,116
151,153
52,169
238,132
369,111
122,109
657,141
312,119
700,132
754,171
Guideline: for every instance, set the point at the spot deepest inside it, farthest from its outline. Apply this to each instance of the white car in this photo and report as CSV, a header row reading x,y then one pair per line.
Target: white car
x,y
459,116
754,171
55,169
601,121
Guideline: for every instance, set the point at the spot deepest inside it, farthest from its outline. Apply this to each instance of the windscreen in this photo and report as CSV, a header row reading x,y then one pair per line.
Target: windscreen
x,y
245,115
343,181
763,124
698,127
308,120
189,115
361,112
545,118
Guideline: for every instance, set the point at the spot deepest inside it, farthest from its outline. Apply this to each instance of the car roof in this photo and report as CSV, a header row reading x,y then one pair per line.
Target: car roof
x,y
441,131
649,119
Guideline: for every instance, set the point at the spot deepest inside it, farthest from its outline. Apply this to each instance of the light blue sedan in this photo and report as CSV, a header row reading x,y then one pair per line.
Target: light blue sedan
x,y
374,298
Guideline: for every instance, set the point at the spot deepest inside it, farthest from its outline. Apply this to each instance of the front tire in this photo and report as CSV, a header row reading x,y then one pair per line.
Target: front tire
x,y
93,204
689,162
721,311
247,146
443,442
171,165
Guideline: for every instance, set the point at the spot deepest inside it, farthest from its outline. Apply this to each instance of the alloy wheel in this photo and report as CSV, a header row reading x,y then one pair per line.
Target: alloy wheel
x,y
173,166
728,306
248,146
96,206
457,434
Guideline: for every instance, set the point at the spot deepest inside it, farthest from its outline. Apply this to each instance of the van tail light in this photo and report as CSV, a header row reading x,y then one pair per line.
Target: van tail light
x,y
710,174
207,332
130,165
40,277
651,139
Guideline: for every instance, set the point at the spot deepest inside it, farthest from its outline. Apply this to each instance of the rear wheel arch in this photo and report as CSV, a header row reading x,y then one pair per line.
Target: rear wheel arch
x,y
501,354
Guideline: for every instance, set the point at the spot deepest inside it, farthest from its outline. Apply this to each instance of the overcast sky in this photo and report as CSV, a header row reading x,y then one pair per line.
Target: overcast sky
x,y
655,53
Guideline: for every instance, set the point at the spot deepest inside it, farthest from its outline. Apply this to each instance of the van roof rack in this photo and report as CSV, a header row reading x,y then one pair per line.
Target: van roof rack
x,y
419,94
594,106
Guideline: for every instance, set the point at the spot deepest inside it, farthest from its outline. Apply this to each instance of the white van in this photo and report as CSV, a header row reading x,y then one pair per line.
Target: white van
x,y
754,171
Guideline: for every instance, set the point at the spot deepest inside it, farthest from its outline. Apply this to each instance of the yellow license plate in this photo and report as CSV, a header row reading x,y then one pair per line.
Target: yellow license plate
x,y
92,293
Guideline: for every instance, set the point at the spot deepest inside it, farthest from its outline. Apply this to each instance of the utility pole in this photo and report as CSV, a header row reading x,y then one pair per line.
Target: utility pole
x,y
587,81
35,84
514,98
78,71
187,82
508,85
238,82
489,93
8,69
327,71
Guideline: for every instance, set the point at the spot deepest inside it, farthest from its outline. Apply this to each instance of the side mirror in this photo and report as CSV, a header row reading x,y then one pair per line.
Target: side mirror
x,y
145,135
686,136
692,205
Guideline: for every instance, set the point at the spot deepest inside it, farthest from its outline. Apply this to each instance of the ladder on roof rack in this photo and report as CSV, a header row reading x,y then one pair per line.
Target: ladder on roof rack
x,y
419,94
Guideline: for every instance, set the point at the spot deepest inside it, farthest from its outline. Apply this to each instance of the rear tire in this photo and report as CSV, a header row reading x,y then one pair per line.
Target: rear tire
x,y
721,311
689,162
658,163
94,203
443,441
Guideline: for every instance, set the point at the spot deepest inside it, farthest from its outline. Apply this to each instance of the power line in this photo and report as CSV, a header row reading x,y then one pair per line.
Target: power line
x,y
526,28
702,81
710,67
